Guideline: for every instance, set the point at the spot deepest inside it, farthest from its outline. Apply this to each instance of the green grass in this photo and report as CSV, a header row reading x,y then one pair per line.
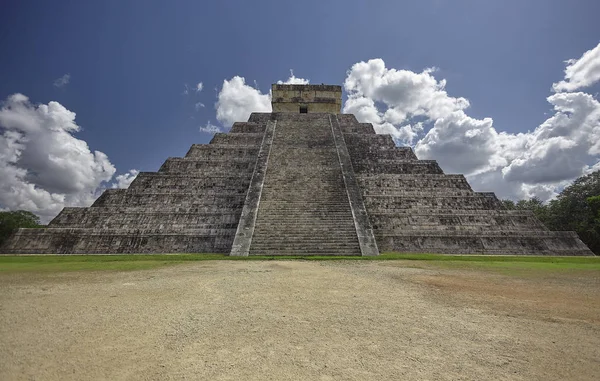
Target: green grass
x,y
54,263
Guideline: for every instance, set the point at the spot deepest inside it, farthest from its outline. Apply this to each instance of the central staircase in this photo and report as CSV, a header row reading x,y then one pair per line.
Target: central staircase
x,y
304,207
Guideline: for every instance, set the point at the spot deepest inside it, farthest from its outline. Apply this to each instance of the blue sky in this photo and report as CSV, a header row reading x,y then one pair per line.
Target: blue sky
x,y
129,61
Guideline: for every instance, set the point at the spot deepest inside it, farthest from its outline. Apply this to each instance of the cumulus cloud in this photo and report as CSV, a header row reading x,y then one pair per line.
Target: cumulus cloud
x,y
561,147
43,167
199,87
581,72
198,106
404,96
62,81
210,128
416,109
237,100
124,180
293,80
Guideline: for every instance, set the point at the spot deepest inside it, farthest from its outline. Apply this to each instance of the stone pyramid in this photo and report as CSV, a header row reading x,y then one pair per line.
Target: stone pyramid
x,y
302,180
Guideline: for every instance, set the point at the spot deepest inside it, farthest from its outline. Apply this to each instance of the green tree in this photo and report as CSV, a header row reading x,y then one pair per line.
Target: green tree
x,y
508,204
534,204
577,208
11,221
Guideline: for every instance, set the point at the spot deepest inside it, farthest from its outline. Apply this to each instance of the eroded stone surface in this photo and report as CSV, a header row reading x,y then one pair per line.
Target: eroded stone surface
x,y
320,184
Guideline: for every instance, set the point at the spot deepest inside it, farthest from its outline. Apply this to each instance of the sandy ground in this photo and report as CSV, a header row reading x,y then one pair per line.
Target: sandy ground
x,y
297,320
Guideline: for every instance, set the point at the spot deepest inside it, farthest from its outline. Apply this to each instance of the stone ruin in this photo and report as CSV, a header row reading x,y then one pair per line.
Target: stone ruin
x,y
302,180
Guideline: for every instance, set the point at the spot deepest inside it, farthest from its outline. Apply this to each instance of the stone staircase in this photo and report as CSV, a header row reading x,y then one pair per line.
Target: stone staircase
x,y
304,207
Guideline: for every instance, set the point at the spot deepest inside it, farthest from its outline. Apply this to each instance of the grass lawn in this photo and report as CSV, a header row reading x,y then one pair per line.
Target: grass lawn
x,y
505,264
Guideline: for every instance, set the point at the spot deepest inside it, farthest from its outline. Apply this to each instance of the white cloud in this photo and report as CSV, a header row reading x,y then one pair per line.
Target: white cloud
x,y
404,95
123,181
237,100
62,81
540,163
293,80
210,129
199,87
198,106
581,72
561,147
43,167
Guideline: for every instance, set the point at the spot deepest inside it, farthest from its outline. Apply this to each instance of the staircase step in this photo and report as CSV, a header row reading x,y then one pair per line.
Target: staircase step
x,y
304,207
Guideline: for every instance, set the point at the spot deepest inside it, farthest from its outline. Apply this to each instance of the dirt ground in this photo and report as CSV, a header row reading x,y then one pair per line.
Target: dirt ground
x,y
300,320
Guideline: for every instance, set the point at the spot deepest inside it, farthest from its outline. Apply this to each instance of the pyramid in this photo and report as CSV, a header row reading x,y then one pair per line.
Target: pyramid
x,y
302,180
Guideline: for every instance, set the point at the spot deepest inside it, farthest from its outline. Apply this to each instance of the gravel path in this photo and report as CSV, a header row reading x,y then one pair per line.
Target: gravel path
x,y
299,320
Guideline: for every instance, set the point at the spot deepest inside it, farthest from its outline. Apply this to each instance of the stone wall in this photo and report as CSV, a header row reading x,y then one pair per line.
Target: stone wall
x,y
191,205
414,207
315,98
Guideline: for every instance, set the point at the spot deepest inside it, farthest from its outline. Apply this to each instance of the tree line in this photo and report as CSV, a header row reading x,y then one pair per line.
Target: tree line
x,y
11,221
577,208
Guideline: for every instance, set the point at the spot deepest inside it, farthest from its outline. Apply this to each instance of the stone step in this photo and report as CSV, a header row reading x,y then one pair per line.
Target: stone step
x,y
304,205
298,240
427,192
307,208
90,217
330,228
221,152
323,201
390,203
248,127
238,139
186,165
400,167
453,228
306,233
483,218
302,217
354,140
113,241
260,117
447,212
205,191
304,253
299,218
521,233
309,247
322,214
357,128
323,206
522,242
333,202
122,197
143,183
377,153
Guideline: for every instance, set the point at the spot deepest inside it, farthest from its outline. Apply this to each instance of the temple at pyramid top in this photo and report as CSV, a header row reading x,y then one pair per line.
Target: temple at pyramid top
x,y
306,99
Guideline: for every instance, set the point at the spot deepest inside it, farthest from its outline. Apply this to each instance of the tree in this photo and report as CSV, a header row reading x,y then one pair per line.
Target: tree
x,y
508,204
534,204
576,208
11,221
